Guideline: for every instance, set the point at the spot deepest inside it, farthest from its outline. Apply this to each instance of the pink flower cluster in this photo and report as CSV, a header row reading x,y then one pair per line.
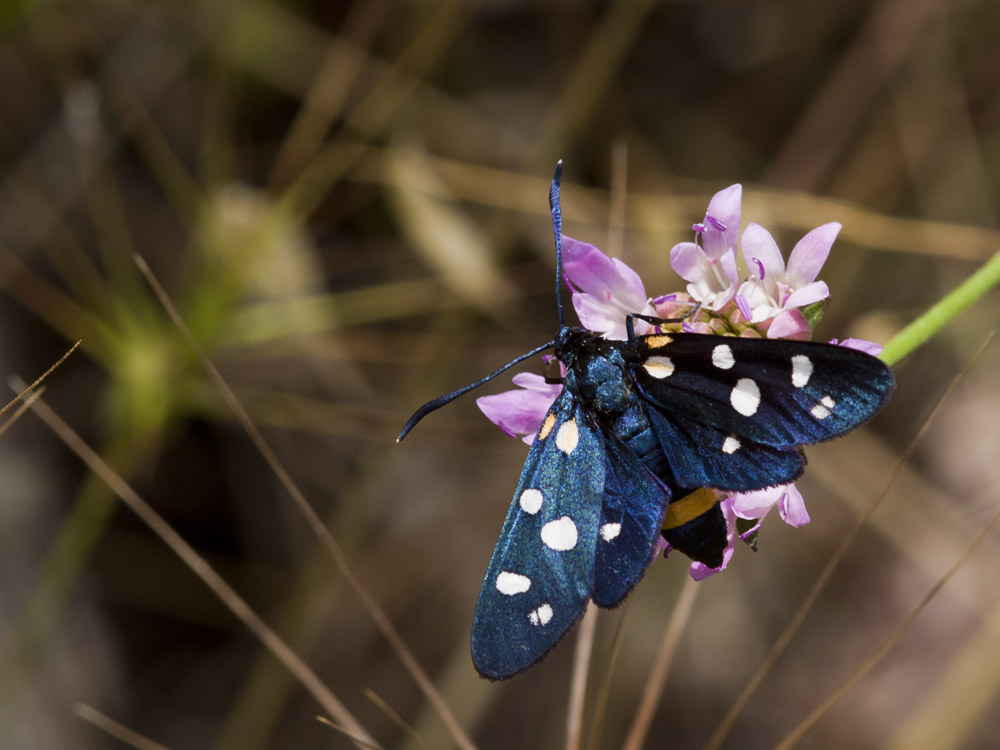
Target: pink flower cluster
x,y
768,303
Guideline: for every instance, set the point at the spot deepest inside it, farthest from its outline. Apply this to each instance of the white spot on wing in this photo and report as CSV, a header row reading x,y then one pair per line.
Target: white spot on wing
x,y
512,583
560,535
531,501
828,402
610,530
802,370
659,367
730,445
722,357
820,412
542,615
567,437
745,397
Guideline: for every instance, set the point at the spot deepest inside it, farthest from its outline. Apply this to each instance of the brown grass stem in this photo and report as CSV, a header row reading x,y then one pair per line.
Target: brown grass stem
x,y
118,731
653,690
883,648
722,731
378,615
226,594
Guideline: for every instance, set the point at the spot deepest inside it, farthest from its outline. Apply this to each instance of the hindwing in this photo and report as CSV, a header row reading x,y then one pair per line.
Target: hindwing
x,y
632,511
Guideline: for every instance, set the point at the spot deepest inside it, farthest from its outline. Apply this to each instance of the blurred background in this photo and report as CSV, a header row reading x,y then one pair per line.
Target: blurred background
x,y
348,204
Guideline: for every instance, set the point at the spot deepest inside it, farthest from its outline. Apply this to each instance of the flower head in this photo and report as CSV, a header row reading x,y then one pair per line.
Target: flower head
x,y
710,268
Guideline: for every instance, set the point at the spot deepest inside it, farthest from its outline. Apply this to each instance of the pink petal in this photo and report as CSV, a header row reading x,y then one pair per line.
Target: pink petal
x,y
756,299
627,286
520,411
725,209
592,271
868,347
534,382
757,503
600,315
689,261
806,295
584,265
792,508
810,253
759,247
728,261
789,324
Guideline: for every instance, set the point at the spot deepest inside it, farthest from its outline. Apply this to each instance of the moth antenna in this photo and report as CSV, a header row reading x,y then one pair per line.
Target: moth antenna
x,y
557,229
437,403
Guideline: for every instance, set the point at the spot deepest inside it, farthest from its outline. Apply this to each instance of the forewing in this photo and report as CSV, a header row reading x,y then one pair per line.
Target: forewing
x,y
541,574
631,517
777,393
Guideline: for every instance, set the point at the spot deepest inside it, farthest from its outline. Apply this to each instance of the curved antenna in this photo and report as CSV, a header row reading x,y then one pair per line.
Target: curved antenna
x,y
437,403
557,228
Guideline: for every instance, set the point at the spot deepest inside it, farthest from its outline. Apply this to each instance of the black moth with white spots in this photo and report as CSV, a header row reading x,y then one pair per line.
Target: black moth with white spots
x,y
642,423
641,427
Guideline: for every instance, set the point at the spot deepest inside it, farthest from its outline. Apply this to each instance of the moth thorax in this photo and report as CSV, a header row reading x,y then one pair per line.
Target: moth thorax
x,y
602,385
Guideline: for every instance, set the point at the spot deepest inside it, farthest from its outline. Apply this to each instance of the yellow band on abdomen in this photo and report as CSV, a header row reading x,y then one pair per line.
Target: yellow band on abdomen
x,y
689,508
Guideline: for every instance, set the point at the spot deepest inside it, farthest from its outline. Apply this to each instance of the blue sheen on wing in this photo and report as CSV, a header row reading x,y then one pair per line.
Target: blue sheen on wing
x,y
773,392
631,517
540,576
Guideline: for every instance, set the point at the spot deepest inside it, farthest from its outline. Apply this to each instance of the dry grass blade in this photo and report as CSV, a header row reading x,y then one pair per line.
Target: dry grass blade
x,y
116,730
395,718
848,94
661,668
865,667
604,689
578,680
443,236
341,69
335,726
378,615
226,594
33,386
26,402
953,709
722,731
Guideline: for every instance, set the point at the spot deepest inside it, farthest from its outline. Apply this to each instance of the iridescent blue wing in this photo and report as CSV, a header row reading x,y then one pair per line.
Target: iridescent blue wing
x,y
631,517
541,574
774,392
729,412
704,456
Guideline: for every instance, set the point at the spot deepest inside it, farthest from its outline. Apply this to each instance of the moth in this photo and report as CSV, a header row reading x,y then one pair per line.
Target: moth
x,y
641,433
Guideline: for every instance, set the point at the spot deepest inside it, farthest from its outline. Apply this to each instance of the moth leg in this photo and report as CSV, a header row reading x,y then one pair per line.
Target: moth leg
x,y
652,319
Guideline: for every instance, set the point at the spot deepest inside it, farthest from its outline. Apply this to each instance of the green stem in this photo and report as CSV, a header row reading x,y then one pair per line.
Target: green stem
x,y
948,308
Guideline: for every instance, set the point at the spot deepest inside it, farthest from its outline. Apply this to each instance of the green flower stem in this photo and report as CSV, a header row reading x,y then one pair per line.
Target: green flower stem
x,y
932,321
